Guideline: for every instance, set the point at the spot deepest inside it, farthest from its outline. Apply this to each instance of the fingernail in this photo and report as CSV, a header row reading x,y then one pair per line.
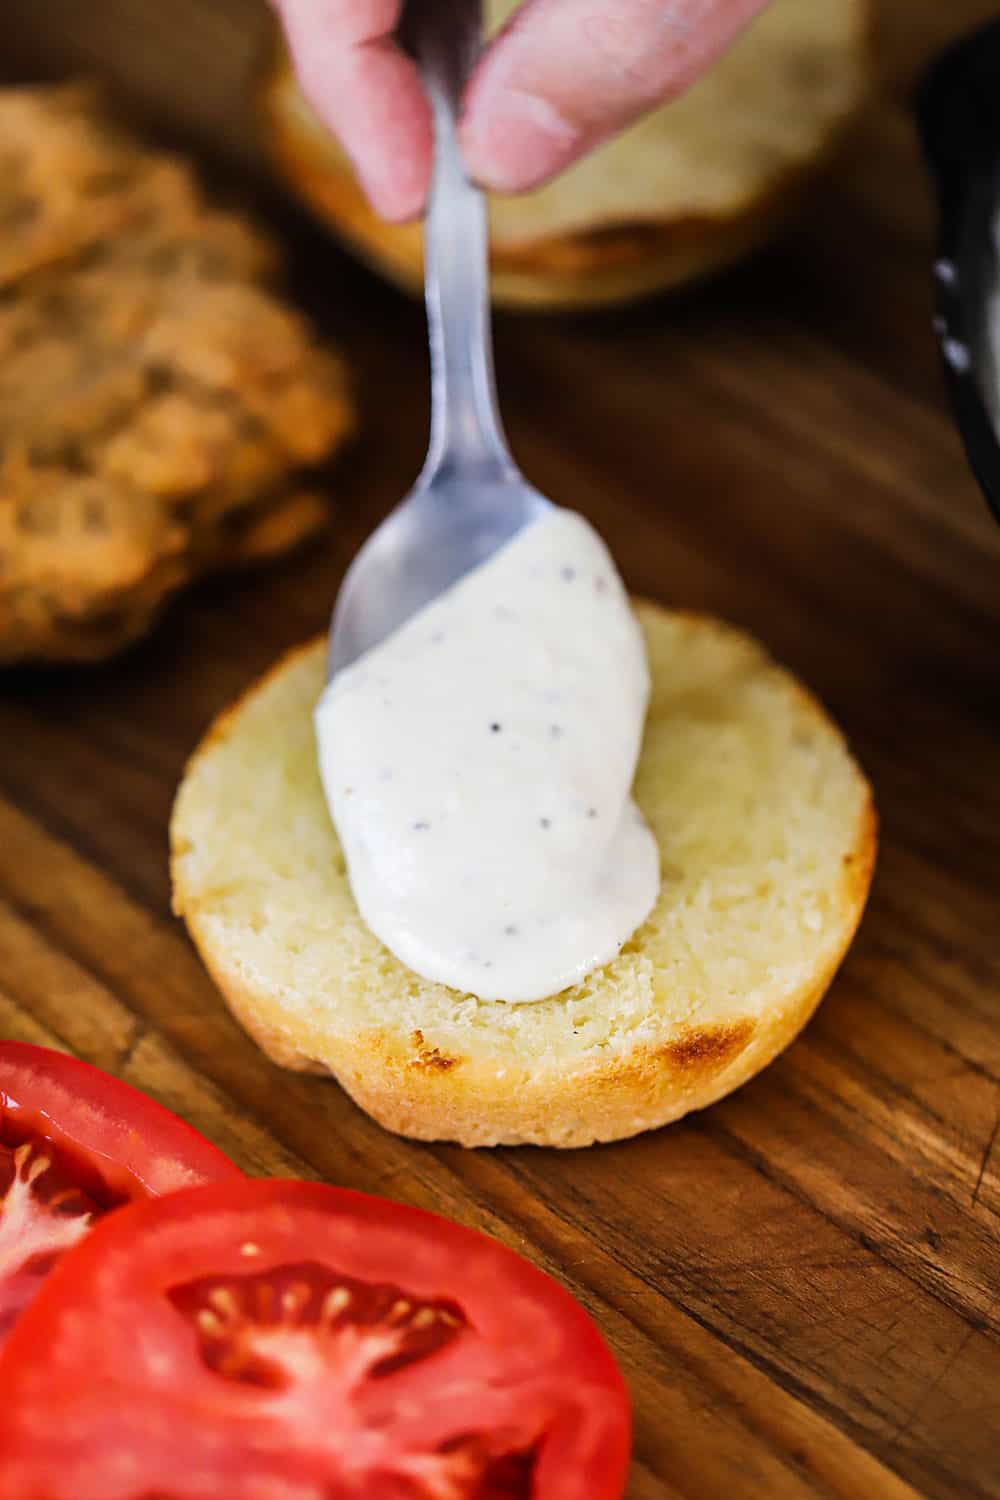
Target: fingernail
x,y
517,140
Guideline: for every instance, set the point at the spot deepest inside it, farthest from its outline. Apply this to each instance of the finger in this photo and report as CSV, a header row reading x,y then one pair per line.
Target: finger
x,y
367,92
566,74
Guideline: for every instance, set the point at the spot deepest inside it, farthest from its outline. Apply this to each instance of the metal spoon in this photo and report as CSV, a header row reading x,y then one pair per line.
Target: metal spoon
x,y
470,497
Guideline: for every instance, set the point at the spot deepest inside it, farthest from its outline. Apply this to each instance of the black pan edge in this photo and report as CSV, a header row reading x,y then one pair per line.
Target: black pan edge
x,y
958,116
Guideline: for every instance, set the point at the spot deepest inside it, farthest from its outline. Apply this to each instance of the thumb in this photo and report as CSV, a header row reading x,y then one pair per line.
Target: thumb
x,y
566,74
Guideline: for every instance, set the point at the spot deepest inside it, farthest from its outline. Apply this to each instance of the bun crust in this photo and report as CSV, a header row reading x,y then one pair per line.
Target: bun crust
x,y
767,833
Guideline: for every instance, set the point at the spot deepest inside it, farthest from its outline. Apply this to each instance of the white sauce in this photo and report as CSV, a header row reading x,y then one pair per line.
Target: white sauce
x,y
478,767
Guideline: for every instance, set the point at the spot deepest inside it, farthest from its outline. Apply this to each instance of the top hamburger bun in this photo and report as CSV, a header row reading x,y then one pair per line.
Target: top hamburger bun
x,y
688,189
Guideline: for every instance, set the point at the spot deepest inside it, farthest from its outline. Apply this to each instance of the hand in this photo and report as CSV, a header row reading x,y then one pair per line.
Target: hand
x,y
562,77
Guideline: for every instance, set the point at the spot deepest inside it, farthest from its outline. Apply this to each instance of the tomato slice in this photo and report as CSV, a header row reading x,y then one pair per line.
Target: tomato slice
x,y
75,1143
293,1341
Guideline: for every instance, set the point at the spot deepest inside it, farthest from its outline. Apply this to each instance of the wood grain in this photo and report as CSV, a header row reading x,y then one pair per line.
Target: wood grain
x,y
802,1284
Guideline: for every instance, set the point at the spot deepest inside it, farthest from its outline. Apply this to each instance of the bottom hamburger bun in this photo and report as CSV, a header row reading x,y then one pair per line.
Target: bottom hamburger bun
x,y
767,836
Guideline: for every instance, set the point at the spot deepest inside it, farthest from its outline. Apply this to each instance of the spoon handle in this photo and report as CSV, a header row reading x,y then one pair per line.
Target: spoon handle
x,y
466,433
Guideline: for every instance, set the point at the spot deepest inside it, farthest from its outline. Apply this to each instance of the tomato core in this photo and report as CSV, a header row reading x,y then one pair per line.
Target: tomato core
x,y
75,1144
244,1323
49,1198
305,1325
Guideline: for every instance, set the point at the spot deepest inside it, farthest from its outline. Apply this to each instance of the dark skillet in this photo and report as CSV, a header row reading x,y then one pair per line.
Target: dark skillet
x,y
959,116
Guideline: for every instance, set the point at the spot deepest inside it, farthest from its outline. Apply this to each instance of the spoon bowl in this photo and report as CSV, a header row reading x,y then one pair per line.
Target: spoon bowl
x,y
445,527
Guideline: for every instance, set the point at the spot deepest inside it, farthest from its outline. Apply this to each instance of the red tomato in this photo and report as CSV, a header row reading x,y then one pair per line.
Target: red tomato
x,y
291,1341
74,1143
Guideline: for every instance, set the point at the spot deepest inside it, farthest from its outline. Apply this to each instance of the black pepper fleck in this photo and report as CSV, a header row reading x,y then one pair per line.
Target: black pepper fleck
x,y
591,812
555,731
510,930
545,822
421,827
494,728
568,573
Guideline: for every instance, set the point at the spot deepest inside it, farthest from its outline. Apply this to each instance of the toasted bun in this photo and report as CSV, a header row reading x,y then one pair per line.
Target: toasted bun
x,y
767,836
693,186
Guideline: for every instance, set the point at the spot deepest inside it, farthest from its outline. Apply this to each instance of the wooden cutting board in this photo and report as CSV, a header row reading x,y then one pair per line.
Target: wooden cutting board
x,y
803,1283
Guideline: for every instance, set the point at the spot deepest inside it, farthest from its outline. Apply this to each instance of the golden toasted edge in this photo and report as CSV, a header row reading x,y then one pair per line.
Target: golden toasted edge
x,y
609,264
414,1090
418,1094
